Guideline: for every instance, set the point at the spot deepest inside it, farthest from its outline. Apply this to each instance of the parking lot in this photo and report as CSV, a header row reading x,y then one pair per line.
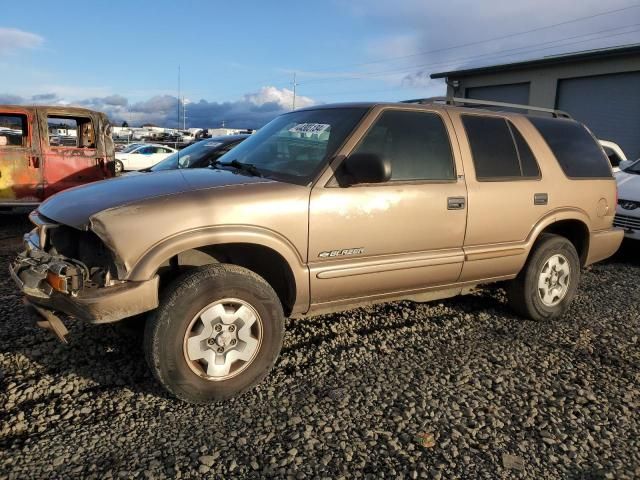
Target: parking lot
x,y
459,388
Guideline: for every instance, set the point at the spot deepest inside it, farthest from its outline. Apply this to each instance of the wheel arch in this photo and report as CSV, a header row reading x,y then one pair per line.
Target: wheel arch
x,y
573,224
262,251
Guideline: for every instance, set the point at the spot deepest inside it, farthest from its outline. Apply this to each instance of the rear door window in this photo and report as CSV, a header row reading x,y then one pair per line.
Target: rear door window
x,y
528,162
499,150
13,130
577,152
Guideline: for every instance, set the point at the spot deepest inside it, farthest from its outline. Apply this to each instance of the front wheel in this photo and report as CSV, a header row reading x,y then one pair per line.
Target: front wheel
x,y
216,333
548,282
119,167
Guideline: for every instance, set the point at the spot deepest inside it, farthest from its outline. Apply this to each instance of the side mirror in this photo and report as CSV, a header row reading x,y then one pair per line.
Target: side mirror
x,y
365,168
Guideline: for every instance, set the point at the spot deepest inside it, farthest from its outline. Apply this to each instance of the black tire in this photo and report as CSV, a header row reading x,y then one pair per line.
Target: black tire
x,y
522,292
119,167
182,300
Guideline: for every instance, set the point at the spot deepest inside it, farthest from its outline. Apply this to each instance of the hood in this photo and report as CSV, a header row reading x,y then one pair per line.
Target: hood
x,y
628,186
74,207
133,172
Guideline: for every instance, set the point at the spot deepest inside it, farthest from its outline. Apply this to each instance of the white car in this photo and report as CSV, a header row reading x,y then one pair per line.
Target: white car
x,y
628,209
616,156
141,156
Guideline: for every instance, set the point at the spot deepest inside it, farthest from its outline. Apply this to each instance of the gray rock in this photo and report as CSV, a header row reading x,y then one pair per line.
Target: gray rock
x,y
207,460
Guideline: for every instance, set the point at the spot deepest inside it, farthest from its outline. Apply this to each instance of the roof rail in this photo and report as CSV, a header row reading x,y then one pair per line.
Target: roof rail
x,y
424,101
487,103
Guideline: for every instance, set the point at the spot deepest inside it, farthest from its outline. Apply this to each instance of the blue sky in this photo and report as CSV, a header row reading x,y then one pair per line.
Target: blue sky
x,y
239,57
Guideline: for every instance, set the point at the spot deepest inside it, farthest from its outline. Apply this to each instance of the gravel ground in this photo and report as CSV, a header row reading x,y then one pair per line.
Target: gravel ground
x,y
456,389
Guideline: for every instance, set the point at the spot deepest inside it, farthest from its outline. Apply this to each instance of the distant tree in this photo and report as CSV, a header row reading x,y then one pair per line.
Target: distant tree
x,y
125,124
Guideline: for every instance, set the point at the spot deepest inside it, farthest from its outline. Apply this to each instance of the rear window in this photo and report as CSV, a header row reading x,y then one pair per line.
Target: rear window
x,y
577,152
499,150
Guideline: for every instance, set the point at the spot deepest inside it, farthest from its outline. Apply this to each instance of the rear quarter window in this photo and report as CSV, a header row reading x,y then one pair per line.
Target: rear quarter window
x,y
577,152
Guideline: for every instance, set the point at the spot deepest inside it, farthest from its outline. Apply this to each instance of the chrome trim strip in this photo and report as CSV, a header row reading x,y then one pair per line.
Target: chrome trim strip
x,y
389,266
501,253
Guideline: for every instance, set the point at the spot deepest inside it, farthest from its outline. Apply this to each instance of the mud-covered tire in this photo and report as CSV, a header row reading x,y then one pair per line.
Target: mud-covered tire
x,y
524,294
181,303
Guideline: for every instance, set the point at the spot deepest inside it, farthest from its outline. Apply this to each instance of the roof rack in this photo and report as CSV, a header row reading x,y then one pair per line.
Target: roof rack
x,y
424,101
487,103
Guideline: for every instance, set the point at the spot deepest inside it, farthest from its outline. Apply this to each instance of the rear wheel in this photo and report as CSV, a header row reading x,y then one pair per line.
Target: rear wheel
x,y
549,280
119,167
216,333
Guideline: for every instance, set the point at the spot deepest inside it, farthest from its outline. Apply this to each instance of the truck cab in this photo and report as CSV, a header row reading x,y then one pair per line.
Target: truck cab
x,y
44,150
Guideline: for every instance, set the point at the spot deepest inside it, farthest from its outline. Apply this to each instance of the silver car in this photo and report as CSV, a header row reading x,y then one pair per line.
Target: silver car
x,y
628,210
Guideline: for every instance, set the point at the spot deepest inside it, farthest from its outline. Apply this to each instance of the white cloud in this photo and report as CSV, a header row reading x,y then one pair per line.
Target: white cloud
x,y
251,111
12,40
282,97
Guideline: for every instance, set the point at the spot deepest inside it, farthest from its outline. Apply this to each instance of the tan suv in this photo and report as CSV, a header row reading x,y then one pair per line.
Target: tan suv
x,y
323,209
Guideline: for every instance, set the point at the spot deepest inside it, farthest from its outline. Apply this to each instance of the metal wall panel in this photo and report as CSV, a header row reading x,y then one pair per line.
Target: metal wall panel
x,y
608,104
513,93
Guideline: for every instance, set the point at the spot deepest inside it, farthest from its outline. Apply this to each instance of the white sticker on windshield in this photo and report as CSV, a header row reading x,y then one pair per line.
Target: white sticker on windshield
x,y
310,128
213,144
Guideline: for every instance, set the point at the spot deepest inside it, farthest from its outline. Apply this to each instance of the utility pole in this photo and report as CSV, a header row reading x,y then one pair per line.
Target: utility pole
x,y
179,96
184,114
294,91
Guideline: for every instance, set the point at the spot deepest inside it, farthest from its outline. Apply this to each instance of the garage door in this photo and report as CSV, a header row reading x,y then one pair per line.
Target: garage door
x,y
513,93
608,104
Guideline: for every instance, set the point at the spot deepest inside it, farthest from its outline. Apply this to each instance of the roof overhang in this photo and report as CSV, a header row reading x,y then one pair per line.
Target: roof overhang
x,y
543,62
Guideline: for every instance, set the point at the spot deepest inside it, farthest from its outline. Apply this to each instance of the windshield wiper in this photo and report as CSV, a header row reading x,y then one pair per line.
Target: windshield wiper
x,y
245,167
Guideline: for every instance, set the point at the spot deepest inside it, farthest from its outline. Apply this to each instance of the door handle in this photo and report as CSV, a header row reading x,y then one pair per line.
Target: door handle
x,y
455,203
540,198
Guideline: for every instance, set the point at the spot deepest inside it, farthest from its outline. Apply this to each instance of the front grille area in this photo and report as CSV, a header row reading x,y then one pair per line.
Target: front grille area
x,y
626,221
628,204
84,247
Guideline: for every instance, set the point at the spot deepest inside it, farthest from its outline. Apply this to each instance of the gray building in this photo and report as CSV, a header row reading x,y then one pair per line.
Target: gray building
x,y
600,88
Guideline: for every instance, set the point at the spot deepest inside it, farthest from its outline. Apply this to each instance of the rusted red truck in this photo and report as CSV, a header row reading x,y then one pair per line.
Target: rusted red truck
x,y
46,149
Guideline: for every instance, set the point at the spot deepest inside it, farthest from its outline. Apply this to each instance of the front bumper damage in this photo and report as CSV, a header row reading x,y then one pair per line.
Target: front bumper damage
x,y
54,284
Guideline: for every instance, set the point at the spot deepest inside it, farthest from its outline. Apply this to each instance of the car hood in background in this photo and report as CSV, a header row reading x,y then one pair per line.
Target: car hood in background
x,y
628,186
74,207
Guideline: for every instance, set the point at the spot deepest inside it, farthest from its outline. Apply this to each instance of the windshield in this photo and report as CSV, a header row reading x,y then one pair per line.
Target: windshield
x,y
633,168
293,147
130,148
197,155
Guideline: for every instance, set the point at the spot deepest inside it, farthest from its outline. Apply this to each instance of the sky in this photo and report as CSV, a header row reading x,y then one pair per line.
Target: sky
x,y
237,59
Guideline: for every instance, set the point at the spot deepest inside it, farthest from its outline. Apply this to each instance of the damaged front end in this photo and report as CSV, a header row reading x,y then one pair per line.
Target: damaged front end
x,y
63,269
